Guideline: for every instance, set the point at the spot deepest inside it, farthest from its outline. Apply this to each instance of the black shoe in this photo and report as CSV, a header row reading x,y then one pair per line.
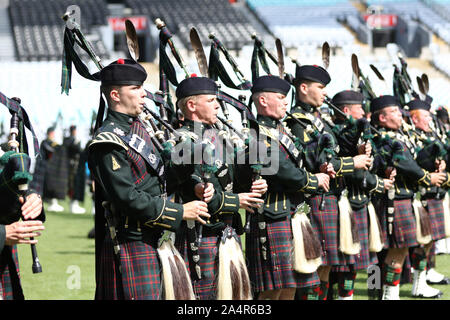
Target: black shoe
x,y
444,281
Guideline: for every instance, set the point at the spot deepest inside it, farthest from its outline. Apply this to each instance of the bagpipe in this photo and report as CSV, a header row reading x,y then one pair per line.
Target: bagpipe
x,y
386,150
177,283
357,132
306,245
430,148
15,175
233,278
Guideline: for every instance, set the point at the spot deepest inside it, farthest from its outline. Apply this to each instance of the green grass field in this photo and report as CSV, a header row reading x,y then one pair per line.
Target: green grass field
x,y
67,258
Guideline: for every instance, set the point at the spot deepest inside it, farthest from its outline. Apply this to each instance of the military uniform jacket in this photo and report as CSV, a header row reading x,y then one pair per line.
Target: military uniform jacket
x,y
289,183
320,144
430,148
393,150
224,206
134,186
348,135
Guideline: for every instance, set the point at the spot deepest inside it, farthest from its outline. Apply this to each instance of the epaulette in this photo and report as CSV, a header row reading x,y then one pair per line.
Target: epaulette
x,y
310,122
300,115
108,137
267,132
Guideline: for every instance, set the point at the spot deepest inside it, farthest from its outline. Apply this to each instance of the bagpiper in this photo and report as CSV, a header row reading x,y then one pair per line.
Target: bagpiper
x,y
132,181
315,133
431,157
269,245
354,135
397,209
217,264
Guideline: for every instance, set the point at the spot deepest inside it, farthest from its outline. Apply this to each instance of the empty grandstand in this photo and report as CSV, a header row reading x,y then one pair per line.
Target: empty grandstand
x,y
38,28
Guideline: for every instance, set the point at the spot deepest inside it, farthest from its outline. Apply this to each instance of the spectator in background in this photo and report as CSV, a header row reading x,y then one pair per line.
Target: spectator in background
x,y
45,177
76,171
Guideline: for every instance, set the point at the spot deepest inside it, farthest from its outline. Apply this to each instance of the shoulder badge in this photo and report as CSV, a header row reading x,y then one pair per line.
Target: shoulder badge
x,y
115,164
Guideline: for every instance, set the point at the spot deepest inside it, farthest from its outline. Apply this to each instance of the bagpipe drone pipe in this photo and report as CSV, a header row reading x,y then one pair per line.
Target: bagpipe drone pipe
x,y
176,280
15,175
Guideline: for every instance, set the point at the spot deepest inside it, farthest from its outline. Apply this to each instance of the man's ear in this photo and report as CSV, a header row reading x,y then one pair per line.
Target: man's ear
x,y
262,100
190,105
303,88
114,95
381,117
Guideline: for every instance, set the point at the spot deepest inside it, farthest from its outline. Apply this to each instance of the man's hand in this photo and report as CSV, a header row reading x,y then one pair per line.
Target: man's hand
x,y
19,232
204,193
250,200
365,148
438,178
32,207
259,186
440,165
362,161
388,183
328,169
324,181
196,210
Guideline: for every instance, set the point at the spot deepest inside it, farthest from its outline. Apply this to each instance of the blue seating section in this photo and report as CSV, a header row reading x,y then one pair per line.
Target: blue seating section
x,y
264,3
434,16
299,23
226,21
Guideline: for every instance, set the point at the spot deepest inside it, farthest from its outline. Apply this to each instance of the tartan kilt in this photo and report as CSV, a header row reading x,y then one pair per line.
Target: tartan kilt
x,y
141,273
277,271
404,224
436,214
206,287
365,258
6,285
326,225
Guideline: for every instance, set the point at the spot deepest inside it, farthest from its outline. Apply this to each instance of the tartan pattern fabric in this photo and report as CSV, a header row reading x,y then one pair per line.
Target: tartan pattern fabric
x,y
276,272
364,258
418,259
346,282
404,224
6,286
141,272
323,292
205,288
15,107
436,214
308,293
392,275
326,225
137,164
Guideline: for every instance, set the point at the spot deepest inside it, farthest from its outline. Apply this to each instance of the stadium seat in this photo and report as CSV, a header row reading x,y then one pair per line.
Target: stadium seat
x,y
38,28
229,24
303,23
